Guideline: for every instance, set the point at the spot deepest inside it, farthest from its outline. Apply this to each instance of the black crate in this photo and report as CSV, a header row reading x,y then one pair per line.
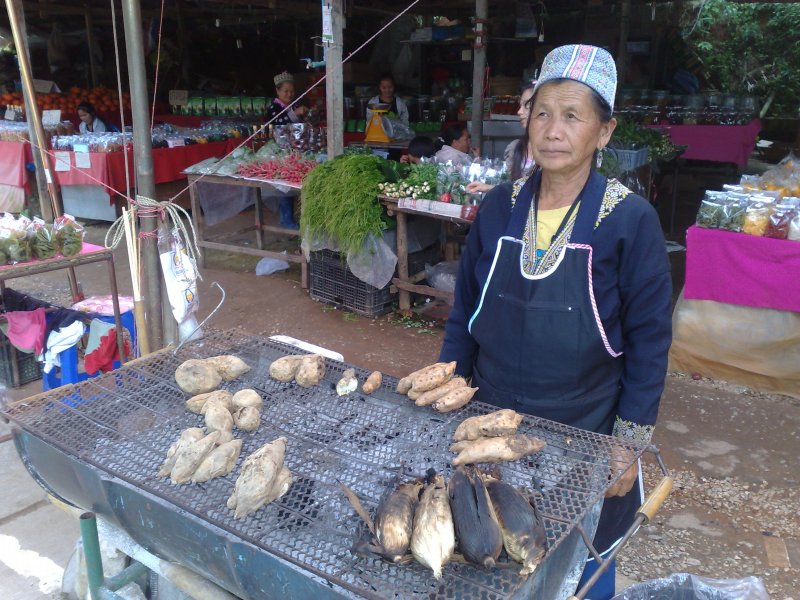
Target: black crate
x,y
430,256
30,369
333,283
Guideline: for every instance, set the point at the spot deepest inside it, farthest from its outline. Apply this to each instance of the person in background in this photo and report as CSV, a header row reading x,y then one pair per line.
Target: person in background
x,y
284,90
517,155
562,304
418,148
90,122
397,108
453,146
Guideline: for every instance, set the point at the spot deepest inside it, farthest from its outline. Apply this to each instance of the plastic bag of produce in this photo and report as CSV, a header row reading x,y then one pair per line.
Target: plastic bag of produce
x,y
683,586
68,235
43,243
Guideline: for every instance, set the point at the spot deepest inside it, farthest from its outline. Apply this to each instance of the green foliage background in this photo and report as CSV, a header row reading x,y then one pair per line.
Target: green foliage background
x,y
751,48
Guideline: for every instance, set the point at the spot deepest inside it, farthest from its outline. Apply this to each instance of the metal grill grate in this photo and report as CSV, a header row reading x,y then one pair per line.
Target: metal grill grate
x,y
124,422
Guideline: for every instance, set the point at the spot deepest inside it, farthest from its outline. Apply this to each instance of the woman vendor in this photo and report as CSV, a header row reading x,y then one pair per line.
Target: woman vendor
x,y
563,296
453,146
281,112
90,122
397,108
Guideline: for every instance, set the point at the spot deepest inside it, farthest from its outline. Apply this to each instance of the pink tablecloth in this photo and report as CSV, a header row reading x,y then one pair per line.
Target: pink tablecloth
x,y
168,164
13,156
737,268
718,143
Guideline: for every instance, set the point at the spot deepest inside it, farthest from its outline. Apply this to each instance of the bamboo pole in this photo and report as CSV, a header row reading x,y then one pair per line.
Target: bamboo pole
x,y
90,42
143,158
16,18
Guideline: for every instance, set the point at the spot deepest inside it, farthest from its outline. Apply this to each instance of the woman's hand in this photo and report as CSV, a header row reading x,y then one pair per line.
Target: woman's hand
x,y
475,187
405,159
476,153
620,458
300,111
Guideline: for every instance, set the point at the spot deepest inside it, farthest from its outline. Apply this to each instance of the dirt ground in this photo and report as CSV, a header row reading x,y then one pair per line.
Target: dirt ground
x,y
733,453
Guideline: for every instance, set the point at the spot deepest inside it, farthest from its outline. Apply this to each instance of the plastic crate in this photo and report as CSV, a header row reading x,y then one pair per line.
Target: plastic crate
x,y
30,369
630,159
333,283
430,256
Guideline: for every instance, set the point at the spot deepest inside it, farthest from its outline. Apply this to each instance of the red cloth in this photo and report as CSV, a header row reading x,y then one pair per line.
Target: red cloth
x,y
86,249
101,349
718,143
737,268
13,158
26,329
168,164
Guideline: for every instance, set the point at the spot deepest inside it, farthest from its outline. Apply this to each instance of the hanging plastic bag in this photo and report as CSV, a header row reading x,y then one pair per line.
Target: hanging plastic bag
x,y
180,277
683,586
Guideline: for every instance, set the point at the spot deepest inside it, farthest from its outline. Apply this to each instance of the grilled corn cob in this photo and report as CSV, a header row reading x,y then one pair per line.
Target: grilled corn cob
x,y
395,520
476,525
433,539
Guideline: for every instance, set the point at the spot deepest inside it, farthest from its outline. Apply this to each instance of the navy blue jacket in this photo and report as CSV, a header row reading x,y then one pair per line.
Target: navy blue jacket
x,y
632,286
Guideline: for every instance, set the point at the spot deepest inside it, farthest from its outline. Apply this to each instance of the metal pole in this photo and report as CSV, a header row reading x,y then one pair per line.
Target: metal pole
x,y
90,42
16,17
143,159
91,550
334,88
478,71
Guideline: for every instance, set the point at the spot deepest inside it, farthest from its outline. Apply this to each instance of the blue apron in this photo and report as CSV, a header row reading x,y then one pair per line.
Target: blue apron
x,y
542,349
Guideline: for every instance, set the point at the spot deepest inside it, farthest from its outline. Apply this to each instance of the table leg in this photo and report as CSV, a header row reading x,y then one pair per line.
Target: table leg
x,y
402,259
74,286
259,221
198,222
112,276
304,272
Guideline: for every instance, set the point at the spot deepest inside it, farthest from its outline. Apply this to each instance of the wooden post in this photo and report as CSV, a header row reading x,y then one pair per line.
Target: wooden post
x,y
90,42
334,88
16,17
478,71
622,49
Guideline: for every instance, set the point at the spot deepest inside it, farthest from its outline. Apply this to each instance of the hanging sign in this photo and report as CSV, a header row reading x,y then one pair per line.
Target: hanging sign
x,y
62,161
327,25
83,160
51,117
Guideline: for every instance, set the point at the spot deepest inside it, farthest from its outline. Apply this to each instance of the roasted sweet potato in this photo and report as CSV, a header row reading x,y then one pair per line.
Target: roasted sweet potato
x,y
431,396
228,366
246,397
197,377
498,449
499,423
372,383
285,368
311,371
454,399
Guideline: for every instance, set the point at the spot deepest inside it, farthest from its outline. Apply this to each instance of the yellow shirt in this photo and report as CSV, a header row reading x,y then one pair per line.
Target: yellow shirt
x,y
547,223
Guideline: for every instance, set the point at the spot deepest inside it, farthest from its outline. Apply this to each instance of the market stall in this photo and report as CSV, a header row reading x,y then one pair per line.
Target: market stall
x,y
739,316
14,184
716,143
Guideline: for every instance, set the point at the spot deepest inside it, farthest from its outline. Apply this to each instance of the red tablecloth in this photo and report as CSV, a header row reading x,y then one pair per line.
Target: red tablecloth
x,y
718,143
737,268
13,157
168,164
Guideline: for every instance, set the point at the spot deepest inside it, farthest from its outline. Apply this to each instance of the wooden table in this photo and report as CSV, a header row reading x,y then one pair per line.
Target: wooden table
x,y
406,282
89,254
259,226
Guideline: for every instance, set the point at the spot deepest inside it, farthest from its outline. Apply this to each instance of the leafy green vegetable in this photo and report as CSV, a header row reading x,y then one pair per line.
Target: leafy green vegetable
x,y
43,244
69,240
340,200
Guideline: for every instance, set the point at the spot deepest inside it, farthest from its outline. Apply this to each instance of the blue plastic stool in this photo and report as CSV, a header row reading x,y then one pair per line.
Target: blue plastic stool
x,y
68,372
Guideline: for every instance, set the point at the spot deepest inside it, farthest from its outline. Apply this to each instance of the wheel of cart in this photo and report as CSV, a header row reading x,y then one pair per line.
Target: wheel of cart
x,y
98,445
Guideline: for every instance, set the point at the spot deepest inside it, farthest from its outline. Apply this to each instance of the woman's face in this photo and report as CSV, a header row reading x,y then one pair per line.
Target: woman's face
x,y
285,92
564,128
524,111
462,143
386,87
85,116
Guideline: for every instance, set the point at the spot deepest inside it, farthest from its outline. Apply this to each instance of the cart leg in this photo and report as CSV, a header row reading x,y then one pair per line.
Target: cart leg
x,y
259,221
91,550
402,260
198,221
74,286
